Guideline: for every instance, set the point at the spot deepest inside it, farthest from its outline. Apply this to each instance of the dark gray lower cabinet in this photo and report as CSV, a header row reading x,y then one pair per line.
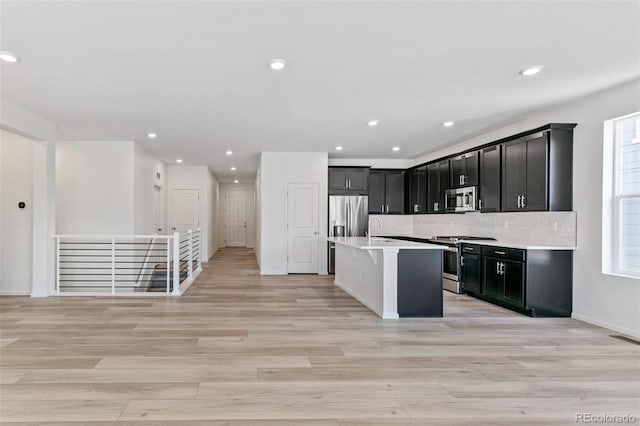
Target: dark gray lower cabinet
x,y
420,283
533,282
470,268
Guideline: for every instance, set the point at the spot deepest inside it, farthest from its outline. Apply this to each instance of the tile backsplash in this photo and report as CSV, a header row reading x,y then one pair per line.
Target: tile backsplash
x,y
530,228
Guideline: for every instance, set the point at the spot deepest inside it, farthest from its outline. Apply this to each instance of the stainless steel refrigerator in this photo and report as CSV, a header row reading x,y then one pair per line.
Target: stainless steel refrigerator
x,y
348,217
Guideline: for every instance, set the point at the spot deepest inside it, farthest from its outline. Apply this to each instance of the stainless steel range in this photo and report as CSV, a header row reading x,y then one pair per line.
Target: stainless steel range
x,y
451,260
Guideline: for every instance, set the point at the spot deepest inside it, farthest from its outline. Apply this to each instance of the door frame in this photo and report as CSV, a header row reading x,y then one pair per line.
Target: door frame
x,y
286,221
246,217
172,218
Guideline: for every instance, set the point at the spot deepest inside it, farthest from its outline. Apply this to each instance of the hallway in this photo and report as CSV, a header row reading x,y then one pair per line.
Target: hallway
x,y
298,350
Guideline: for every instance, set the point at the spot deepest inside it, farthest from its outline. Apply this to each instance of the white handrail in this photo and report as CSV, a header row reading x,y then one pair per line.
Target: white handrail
x,y
90,264
105,236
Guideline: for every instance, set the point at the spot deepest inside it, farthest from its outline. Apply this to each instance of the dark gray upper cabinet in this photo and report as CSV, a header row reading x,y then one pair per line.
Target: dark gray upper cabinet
x,y
464,170
418,190
386,191
438,183
348,180
490,191
537,172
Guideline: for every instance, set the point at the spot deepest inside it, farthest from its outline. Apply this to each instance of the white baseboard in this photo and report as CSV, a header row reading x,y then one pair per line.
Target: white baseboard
x,y
604,324
15,293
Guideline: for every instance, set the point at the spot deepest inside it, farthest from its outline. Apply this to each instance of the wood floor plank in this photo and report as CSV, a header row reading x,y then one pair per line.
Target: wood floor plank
x,y
262,408
244,349
98,391
70,411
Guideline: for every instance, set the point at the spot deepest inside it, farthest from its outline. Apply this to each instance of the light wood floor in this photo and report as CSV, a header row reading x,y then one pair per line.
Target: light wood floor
x,y
239,348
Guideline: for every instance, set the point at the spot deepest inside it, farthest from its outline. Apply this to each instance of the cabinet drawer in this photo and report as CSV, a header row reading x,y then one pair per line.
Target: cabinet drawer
x,y
504,253
470,249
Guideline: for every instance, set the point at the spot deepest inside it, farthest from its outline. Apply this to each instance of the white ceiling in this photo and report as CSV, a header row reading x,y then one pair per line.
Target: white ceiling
x,y
197,74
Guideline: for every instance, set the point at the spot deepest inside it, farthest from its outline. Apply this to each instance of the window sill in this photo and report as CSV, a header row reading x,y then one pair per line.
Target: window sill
x,y
621,275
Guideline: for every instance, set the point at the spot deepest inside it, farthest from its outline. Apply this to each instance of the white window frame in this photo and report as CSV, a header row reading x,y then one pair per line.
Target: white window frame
x,y
613,198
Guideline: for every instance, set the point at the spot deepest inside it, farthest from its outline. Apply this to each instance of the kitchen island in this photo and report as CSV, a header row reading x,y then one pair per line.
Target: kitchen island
x,y
393,278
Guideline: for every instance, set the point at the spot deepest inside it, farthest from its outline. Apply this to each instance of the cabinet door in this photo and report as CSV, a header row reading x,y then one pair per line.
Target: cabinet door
x,y
394,191
470,169
457,166
490,179
492,282
513,174
422,189
433,193
376,192
471,278
414,206
337,179
358,179
443,171
535,193
513,274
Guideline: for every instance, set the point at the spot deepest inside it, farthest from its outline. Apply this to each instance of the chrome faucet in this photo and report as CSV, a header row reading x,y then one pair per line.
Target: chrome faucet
x,y
369,225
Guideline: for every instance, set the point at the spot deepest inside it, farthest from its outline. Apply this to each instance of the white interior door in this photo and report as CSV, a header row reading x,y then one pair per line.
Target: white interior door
x,y
235,219
186,205
302,228
158,217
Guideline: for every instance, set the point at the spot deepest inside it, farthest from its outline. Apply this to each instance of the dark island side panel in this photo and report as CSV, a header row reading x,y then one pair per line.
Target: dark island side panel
x,y
420,283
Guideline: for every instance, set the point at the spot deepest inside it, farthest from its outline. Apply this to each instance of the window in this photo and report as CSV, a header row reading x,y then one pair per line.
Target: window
x,y
624,203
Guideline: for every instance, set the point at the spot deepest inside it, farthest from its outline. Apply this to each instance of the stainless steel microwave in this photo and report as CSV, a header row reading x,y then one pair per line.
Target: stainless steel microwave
x,y
461,199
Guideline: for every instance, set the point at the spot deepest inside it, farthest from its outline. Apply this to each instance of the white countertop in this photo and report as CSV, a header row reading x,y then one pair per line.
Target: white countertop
x,y
499,243
516,245
380,243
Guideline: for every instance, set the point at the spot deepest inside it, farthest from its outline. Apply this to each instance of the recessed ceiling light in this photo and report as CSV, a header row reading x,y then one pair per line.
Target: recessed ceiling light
x,y
8,56
531,70
236,181
277,64
372,123
448,123
229,152
396,148
338,148
152,135
233,168
179,160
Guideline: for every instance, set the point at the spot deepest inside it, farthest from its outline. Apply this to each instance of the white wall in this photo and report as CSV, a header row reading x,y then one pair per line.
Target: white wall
x,y
200,178
20,121
610,301
16,225
95,187
145,169
376,163
213,188
249,190
258,189
277,169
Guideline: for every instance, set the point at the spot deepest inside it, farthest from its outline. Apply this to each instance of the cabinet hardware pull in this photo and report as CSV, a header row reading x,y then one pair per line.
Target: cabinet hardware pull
x,y
346,183
523,203
382,209
480,204
387,208
501,268
498,268
464,179
468,249
499,252
435,207
460,180
519,202
415,208
461,260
